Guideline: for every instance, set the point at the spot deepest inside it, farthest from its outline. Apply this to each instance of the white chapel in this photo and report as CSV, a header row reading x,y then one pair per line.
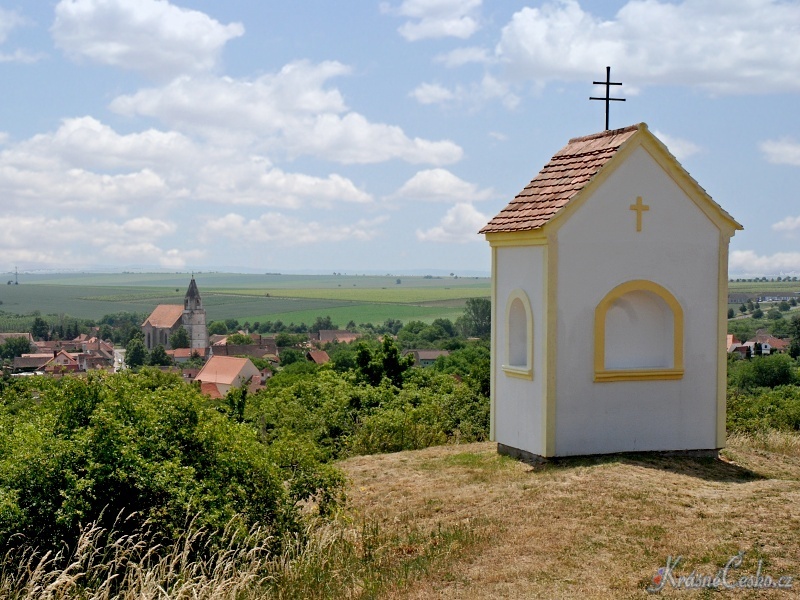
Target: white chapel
x,y
609,298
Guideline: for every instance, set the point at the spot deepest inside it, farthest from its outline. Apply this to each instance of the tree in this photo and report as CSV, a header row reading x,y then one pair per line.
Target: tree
x,y
159,357
784,306
322,323
743,309
240,339
731,314
774,314
217,328
15,346
794,333
477,318
758,313
180,339
135,353
40,329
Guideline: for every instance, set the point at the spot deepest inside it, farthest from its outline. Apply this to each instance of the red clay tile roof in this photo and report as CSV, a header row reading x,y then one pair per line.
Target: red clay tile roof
x,y
225,369
319,357
559,181
165,315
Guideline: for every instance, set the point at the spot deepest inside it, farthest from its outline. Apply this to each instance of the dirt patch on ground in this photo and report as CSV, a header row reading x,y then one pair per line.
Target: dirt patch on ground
x,y
590,527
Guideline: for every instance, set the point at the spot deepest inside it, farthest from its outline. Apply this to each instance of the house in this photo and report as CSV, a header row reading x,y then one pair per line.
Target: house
x,y
221,373
769,343
318,357
166,319
334,335
609,304
426,358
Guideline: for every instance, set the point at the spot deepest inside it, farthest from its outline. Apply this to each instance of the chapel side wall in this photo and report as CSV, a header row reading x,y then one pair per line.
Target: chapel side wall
x,y
519,402
599,248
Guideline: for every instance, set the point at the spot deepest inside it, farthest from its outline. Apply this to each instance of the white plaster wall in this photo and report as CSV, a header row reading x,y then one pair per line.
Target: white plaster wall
x,y
518,406
639,333
599,248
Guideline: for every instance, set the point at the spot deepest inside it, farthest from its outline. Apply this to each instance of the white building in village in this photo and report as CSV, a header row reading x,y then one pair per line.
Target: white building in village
x,y
609,292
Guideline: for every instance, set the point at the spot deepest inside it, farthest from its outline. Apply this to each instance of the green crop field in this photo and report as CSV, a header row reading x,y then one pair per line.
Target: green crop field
x,y
288,298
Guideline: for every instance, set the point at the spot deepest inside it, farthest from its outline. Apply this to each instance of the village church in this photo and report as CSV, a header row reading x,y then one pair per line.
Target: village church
x,y
609,292
167,318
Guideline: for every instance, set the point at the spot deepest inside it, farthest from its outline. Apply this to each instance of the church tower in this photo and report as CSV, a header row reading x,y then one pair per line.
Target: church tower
x,y
194,317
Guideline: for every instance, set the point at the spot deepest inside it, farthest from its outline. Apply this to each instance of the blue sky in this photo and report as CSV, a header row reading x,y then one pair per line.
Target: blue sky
x,y
360,136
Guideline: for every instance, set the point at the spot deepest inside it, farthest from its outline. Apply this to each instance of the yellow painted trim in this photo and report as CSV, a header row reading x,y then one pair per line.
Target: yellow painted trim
x,y
519,372
722,330
551,350
533,237
493,356
526,371
638,375
601,374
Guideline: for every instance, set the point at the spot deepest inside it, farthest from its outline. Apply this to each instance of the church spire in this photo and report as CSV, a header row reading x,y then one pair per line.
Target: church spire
x,y
192,299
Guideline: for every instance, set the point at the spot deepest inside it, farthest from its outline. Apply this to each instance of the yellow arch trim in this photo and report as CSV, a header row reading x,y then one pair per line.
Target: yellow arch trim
x,y
601,374
526,371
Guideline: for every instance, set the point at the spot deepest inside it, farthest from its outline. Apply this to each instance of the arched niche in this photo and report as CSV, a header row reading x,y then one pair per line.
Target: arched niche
x,y
638,334
518,360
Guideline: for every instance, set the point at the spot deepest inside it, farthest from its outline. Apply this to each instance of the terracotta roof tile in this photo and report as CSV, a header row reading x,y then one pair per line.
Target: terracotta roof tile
x,y
165,315
570,169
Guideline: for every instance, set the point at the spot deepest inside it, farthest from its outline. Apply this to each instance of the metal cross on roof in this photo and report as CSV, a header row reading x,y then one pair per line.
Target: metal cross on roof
x,y
608,83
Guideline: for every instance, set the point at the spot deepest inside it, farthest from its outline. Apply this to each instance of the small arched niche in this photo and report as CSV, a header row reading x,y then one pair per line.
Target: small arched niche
x,y
638,334
519,336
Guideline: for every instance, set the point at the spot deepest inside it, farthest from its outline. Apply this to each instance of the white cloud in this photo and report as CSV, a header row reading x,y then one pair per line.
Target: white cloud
x,y
747,262
679,147
9,20
288,231
735,46
87,165
151,36
440,185
788,225
437,18
781,152
473,96
291,110
431,93
459,225
69,242
464,56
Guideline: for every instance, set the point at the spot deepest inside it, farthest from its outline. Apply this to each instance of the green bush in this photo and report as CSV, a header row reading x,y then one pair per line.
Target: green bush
x,y
147,446
751,412
762,371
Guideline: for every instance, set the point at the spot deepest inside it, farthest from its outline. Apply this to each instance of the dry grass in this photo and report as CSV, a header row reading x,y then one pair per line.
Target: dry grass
x,y
591,527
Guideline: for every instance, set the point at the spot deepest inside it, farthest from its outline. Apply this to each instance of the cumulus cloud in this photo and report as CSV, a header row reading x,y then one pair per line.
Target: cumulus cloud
x,y
150,36
437,18
87,165
679,147
789,225
472,96
464,56
9,21
736,46
747,262
440,185
292,111
69,242
781,152
288,231
459,225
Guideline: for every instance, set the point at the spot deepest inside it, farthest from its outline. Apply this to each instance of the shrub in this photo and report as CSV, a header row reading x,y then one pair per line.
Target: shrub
x,y
145,446
764,371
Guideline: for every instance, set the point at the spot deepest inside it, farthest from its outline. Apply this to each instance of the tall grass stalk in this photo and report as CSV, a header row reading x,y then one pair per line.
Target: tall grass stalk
x,y
326,560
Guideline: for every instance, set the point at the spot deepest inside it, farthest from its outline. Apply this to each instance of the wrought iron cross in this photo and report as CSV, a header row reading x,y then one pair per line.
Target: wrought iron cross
x,y
608,83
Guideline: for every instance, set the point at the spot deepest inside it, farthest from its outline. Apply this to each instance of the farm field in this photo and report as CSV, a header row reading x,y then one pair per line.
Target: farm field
x,y
288,298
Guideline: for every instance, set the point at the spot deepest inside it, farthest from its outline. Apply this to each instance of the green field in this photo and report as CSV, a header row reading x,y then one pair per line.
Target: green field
x,y
288,298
